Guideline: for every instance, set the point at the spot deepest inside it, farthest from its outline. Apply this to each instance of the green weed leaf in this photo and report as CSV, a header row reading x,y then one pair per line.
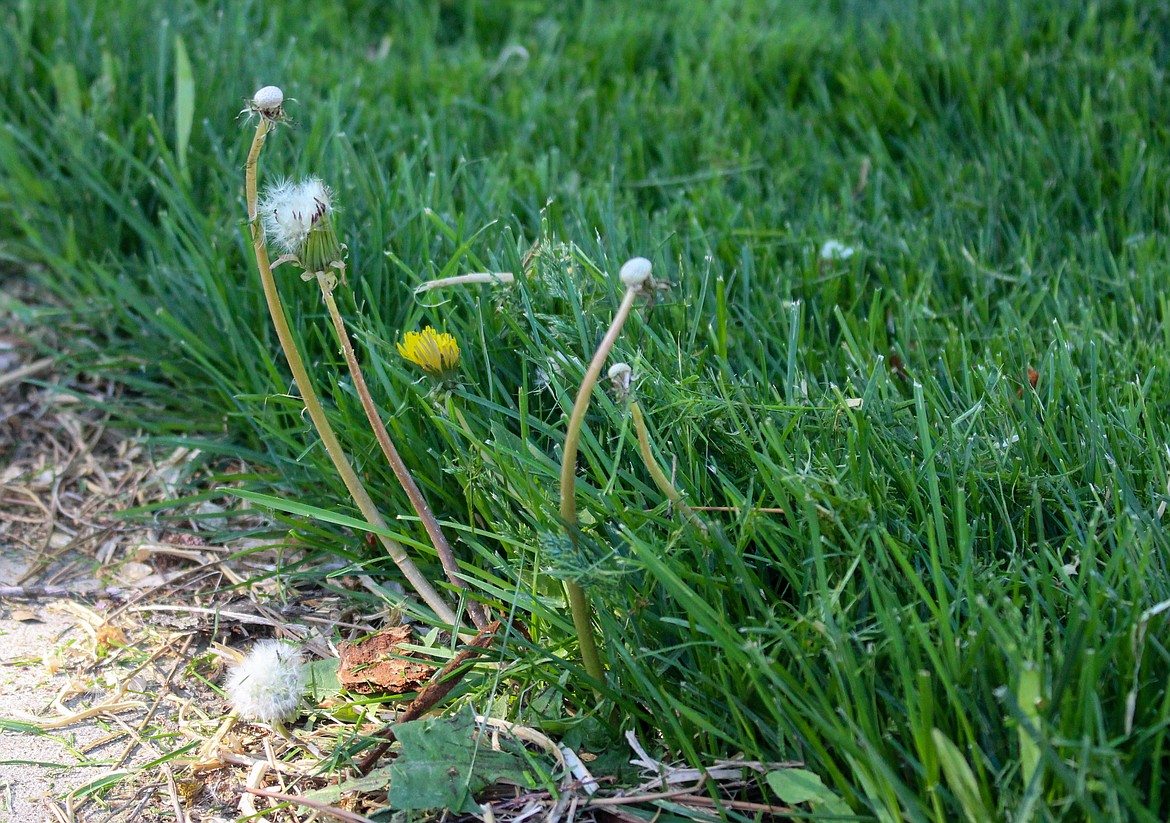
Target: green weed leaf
x,y
795,786
960,778
322,678
184,103
444,763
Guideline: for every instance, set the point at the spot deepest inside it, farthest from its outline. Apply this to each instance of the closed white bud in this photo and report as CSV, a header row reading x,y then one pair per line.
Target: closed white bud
x,y
635,272
620,375
268,102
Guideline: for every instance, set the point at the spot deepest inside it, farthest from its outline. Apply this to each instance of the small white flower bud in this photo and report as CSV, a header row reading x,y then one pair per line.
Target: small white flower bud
x,y
620,375
267,102
635,272
269,97
269,683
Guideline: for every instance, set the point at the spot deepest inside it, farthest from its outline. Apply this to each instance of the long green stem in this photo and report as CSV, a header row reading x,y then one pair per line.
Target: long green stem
x,y
430,523
578,600
660,479
296,365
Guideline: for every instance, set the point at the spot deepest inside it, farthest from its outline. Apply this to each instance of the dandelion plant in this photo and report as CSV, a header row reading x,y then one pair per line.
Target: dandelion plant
x,y
634,274
300,220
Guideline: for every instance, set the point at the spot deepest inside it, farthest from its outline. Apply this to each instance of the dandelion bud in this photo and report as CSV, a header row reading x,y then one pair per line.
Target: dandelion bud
x,y
268,684
268,102
620,375
297,220
635,272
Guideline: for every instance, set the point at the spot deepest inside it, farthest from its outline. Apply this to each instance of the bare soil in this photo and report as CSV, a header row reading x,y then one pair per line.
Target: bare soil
x,y
110,626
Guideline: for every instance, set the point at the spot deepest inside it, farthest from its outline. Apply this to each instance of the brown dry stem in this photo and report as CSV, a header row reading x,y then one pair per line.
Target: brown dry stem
x,y
405,479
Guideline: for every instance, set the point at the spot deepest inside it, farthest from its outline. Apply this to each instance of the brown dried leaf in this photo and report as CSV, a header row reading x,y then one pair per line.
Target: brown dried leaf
x,y
108,635
376,664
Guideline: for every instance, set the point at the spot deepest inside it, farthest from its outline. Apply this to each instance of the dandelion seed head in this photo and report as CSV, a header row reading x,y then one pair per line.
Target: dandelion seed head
x,y
267,685
435,353
268,98
836,250
635,272
289,212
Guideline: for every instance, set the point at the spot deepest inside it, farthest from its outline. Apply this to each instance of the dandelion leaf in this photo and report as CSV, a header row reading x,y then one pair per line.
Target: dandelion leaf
x,y
321,676
375,781
960,778
184,102
444,762
794,786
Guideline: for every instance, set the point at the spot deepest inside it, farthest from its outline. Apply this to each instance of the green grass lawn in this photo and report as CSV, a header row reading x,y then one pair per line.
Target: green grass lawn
x,y
955,615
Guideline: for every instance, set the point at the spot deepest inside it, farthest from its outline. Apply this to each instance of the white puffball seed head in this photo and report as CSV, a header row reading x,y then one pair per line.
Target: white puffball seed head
x,y
269,683
635,272
836,250
288,211
268,98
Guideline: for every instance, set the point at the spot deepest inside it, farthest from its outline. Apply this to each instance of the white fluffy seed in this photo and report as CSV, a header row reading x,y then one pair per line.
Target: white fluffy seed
x,y
288,211
269,683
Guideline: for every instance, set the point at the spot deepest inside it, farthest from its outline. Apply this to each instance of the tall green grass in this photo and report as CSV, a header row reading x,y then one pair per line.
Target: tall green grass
x,y
954,617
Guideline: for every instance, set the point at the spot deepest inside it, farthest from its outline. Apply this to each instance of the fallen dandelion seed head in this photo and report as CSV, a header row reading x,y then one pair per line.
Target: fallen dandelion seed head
x,y
268,684
836,250
620,375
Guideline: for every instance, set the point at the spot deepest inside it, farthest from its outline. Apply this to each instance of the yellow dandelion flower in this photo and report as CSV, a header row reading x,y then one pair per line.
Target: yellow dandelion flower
x,y
435,353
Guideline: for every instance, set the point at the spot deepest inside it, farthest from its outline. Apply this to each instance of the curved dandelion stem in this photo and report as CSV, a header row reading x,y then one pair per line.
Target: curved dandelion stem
x,y
313,405
578,601
430,523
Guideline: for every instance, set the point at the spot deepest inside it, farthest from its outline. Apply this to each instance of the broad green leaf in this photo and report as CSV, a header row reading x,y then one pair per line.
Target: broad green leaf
x,y
444,763
795,786
960,778
1028,697
184,102
67,88
322,677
